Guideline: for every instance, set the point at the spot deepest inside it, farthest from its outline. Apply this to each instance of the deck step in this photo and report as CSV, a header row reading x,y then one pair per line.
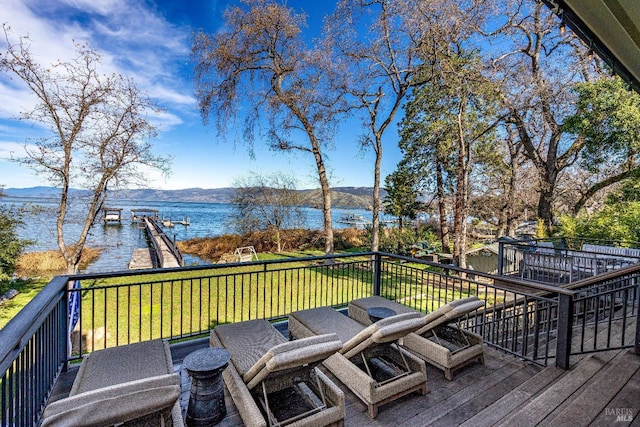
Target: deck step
x,y
598,393
510,402
569,382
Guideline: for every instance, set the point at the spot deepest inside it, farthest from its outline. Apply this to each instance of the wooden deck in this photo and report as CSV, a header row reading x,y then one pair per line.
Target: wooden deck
x,y
600,389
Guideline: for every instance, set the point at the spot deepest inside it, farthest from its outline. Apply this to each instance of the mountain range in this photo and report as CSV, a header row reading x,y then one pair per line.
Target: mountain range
x,y
341,197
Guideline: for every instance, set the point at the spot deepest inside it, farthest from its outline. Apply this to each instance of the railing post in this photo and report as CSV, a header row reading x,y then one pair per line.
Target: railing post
x,y
565,319
636,347
500,255
377,268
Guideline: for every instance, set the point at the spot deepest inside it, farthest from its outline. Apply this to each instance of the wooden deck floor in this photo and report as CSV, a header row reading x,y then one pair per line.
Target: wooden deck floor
x,y
505,391
600,389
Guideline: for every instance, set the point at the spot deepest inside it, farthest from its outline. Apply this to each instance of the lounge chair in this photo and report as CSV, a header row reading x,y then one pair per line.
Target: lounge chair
x,y
438,342
369,363
274,381
132,385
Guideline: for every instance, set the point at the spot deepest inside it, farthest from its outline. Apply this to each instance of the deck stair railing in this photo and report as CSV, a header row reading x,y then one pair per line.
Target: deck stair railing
x,y
538,322
560,261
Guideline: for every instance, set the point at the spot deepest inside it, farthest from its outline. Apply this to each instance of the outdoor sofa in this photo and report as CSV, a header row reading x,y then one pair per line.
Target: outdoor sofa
x,y
439,342
273,381
369,363
130,385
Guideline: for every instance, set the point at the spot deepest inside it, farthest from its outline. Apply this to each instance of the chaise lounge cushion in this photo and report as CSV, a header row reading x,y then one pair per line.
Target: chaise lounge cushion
x,y
116,404
421,342
118,365
116,370
354,336
275,357
260,355
367,343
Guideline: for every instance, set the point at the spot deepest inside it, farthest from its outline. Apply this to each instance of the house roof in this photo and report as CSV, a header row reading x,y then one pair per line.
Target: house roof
x,y
611,28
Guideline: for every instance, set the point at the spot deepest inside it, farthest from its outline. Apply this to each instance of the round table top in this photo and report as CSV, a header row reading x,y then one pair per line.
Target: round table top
x,y
206,359
380,312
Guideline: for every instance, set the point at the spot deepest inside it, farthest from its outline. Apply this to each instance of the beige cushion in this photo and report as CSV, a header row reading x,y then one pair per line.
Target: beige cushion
x,y
450,312
248,341
323,320
386,330
257,349
115,404
297,352
121,364
354,335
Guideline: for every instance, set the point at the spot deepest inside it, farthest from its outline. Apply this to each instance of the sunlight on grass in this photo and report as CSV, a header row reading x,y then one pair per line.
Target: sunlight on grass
x,y
26,291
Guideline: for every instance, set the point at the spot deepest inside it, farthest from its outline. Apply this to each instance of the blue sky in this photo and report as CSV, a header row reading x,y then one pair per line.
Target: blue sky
x,y
150,41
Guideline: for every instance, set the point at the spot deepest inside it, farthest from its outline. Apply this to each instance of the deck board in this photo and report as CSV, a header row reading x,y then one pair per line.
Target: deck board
x,y
485,398
598,392
508,403
451,403
627,398
537,409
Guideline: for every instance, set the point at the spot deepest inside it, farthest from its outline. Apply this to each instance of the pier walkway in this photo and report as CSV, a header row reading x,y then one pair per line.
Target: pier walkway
x,y
163,252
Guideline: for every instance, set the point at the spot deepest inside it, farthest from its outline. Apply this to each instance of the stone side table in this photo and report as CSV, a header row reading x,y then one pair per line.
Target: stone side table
x,y
378,313
206,401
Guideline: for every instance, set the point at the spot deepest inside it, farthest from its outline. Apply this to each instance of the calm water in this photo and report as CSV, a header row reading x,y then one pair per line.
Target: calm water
x,y
119,241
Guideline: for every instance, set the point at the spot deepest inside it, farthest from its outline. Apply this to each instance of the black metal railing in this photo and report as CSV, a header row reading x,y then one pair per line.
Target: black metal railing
x,y
518,317
601,311
33,351
554,262
188,302
536,322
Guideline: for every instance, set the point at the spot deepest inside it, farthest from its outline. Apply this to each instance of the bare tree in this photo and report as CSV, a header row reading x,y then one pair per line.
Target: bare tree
x,y
267,202
540,65
505,191
99,132
380,66
259,68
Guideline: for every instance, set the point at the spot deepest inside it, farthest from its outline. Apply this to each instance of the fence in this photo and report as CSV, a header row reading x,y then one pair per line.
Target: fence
x,y
536,322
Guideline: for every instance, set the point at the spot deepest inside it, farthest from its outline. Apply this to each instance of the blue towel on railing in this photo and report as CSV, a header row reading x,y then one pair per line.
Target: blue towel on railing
x,y
74,311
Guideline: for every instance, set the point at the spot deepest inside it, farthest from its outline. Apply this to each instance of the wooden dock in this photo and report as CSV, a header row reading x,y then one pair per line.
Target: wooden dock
x,y
141,259
166,251
163,253
112,215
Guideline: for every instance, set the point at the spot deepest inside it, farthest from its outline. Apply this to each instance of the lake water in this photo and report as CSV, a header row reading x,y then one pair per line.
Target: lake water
x,y
119,241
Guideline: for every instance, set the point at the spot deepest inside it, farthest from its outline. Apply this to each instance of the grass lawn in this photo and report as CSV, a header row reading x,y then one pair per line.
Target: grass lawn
x,y
27,289
191,303
175,305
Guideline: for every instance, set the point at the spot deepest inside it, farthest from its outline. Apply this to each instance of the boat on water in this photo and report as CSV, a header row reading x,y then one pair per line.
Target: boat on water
x,y
354,219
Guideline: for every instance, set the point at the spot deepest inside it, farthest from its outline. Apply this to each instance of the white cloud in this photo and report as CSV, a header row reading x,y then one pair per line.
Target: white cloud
x,y
11,150
14,100
165,93
165,120
133,39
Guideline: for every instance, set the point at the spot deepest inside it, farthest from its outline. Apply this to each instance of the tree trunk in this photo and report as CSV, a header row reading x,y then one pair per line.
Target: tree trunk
x,y
442,211
375,237
326,198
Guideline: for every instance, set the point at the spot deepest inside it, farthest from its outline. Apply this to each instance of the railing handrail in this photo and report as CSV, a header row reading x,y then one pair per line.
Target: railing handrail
x,y
22,326
192,268
539,287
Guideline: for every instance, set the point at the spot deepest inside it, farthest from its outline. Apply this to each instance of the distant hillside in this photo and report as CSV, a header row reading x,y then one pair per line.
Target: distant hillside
x,y
342,197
